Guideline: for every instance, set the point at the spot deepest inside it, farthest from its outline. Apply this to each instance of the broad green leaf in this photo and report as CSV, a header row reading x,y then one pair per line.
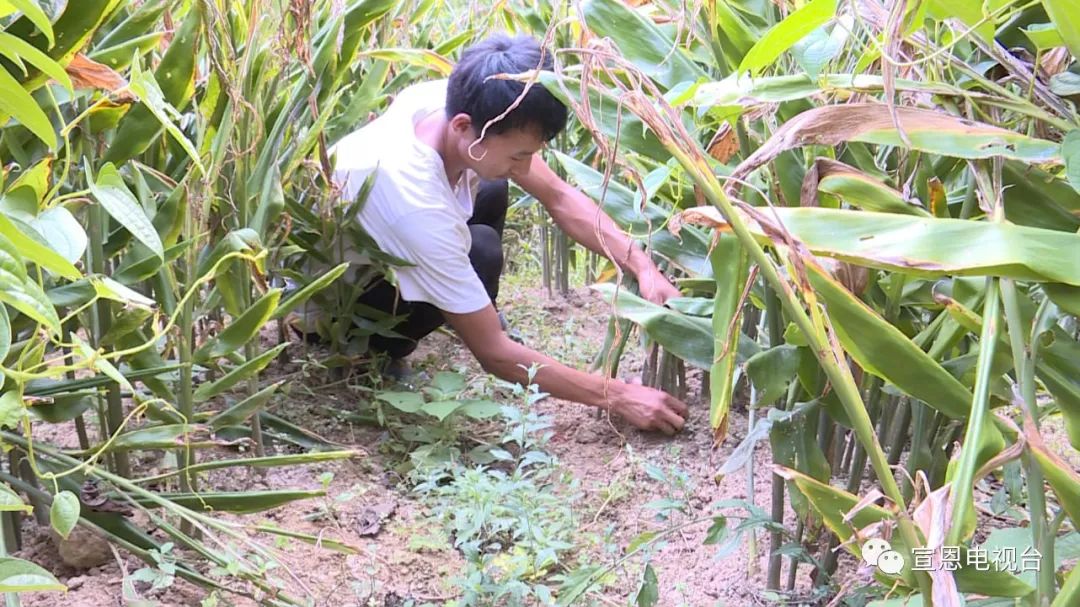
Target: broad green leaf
x,y
107,288
967,12
112,193
245,502
20,105
408,402
17,575
480,409
821,46
241,330
771,371
38,253
299,297
921,246
648,594
1065,84
240,373
58,227
150,94
785,34
1066,18
64,513
1043,35
11,409
641,41
22,293
101,364
11,502
241,411
5,336
63,408
440,410
1070,151
448,382
30,54
126,321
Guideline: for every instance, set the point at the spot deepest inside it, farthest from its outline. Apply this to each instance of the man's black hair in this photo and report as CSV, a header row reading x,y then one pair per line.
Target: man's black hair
x,y
472,92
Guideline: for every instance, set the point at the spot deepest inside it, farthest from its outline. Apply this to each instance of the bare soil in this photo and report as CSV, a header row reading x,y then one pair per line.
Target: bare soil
x,y
402,556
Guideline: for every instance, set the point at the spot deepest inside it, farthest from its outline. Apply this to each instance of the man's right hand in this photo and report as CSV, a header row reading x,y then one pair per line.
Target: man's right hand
x,y
647,408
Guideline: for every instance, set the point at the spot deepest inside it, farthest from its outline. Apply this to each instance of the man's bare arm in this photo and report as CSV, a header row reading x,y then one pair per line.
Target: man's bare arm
x,y
587,224
645,408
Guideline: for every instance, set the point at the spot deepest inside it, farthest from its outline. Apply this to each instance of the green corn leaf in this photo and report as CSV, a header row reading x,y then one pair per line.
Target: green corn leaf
x,y
241,330
320,541
1069,594
237,375
114,196
165,436
161,94
241,411
245,502
730,266
641,41
17,575
299,297
833,504
64,513
1060,475
687,337
859,189
785,34
922,246
270,461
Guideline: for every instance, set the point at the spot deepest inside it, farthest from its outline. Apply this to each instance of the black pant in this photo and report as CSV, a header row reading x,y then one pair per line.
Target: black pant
x,y
486,256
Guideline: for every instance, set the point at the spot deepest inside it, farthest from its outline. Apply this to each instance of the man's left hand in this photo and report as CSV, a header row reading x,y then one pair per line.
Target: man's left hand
x,y
656,288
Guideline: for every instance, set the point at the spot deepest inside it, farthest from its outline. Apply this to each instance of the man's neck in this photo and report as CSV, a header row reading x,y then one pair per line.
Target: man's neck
x,y
434,130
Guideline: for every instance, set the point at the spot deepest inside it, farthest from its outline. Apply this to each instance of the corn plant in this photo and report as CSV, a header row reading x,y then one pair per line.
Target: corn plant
x,y
896,192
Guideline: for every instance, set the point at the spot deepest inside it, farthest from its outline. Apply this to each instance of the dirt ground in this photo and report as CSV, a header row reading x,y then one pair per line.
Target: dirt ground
x,y
399,564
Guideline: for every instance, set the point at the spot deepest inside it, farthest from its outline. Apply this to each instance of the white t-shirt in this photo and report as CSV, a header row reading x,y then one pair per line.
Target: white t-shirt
x,y
412,211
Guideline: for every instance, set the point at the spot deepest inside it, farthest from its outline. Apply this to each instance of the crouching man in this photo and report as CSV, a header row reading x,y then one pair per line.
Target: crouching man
x,y
442,154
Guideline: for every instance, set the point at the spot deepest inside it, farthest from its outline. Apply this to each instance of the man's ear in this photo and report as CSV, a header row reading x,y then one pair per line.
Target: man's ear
x,y
462,124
